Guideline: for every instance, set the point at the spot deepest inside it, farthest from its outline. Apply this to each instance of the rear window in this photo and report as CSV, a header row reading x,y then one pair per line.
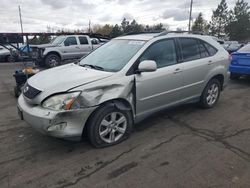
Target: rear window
x,y
212,50
83,40
245,49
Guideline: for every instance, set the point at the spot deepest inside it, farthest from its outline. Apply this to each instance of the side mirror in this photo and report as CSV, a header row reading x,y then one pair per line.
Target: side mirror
x,y
147,66
94,41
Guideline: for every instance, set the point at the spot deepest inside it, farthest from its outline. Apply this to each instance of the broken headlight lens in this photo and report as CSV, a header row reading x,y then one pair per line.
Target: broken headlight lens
x,y
66,101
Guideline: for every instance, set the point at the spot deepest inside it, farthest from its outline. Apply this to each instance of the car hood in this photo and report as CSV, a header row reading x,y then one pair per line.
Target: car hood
x,y
64,78
4,52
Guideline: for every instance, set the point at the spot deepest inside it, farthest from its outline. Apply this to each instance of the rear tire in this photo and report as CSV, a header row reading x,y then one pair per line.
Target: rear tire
x,y
210,94
234,76
52,60
109,126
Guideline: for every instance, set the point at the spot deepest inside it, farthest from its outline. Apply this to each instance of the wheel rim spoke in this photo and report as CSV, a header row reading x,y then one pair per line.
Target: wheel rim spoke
x,y
105,123
113,117
105,132
121,130
121,120
112,136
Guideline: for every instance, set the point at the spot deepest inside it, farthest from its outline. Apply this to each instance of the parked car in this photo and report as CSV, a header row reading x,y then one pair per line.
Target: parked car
x,y
123,82
6,56
232,46
220,41
96,42
240,63
62,48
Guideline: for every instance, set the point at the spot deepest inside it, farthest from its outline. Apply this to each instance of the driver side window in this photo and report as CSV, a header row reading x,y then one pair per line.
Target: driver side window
x,y
162,52
70,41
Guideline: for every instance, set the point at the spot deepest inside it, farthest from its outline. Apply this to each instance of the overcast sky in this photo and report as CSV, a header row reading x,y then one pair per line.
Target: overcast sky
x,y
75,14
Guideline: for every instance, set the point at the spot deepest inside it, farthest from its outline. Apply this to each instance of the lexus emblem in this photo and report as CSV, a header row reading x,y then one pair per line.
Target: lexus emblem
x,y
26,89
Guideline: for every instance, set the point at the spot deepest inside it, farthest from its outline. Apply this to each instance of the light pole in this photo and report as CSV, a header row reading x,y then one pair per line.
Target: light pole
x,y
190,16
20,16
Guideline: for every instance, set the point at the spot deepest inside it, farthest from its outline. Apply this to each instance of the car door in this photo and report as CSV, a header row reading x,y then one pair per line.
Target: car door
x,y
196,65
71,48
155,90
85,46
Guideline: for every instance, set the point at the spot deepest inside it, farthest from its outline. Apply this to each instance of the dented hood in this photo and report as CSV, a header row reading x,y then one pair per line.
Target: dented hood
x,y
64,78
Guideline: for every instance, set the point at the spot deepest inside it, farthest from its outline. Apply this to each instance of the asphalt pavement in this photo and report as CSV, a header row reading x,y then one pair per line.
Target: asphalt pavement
x,y
185,146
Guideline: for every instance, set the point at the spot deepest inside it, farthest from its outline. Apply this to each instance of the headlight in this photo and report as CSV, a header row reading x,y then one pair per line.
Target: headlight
x,y
64,101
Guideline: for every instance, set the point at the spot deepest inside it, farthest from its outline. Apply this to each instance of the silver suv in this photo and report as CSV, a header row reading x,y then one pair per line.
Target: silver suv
x,y
63,48
121,83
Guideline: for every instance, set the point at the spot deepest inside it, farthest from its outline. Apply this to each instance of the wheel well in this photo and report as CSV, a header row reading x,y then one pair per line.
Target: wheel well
x,y
56,53
220,77
120,103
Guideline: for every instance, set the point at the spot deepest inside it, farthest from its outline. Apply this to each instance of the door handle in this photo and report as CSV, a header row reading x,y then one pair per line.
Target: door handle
x,y
77,47
178,70
210,62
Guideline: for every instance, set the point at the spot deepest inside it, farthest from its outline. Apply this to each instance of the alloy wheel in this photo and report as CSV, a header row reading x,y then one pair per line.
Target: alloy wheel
x,y
112,127
212,94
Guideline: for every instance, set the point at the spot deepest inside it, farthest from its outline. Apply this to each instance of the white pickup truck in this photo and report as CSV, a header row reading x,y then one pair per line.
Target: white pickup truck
x,y
64,47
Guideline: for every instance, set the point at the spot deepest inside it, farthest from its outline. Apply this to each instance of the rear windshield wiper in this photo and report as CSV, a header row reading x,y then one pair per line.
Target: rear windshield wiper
x,y
93,66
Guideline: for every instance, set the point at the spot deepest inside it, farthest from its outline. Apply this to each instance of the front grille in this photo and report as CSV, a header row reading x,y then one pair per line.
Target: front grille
x,y
30,92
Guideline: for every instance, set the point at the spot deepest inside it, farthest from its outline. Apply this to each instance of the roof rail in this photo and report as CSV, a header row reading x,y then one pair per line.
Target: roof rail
x,y
142,32
189,32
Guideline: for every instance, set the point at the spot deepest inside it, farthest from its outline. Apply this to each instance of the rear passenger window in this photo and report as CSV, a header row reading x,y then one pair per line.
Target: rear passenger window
x,y
212,50
162,52
83,40
190,49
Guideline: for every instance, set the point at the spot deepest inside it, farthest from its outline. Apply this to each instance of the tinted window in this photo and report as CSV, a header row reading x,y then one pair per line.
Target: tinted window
x,y
163,53
83,40
70,41
190,49
210,49
203,50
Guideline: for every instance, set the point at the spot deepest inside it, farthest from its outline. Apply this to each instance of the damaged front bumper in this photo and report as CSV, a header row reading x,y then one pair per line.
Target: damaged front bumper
x,y
60,124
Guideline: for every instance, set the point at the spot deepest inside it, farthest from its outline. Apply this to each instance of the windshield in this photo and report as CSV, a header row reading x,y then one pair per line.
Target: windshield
x,y
245,49
58,40
114,55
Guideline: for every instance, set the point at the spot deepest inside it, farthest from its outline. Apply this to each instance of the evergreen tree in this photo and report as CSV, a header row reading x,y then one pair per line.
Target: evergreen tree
x,y
105,30
125,25
200,24
219,19
239,24
116,31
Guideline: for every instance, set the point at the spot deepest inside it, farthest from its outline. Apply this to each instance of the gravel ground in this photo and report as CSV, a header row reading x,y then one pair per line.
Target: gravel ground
x,y
181,147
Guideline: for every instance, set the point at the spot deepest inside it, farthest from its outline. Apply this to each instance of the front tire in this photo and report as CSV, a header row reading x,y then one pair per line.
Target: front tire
x,y
52,60
109,126
211,94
